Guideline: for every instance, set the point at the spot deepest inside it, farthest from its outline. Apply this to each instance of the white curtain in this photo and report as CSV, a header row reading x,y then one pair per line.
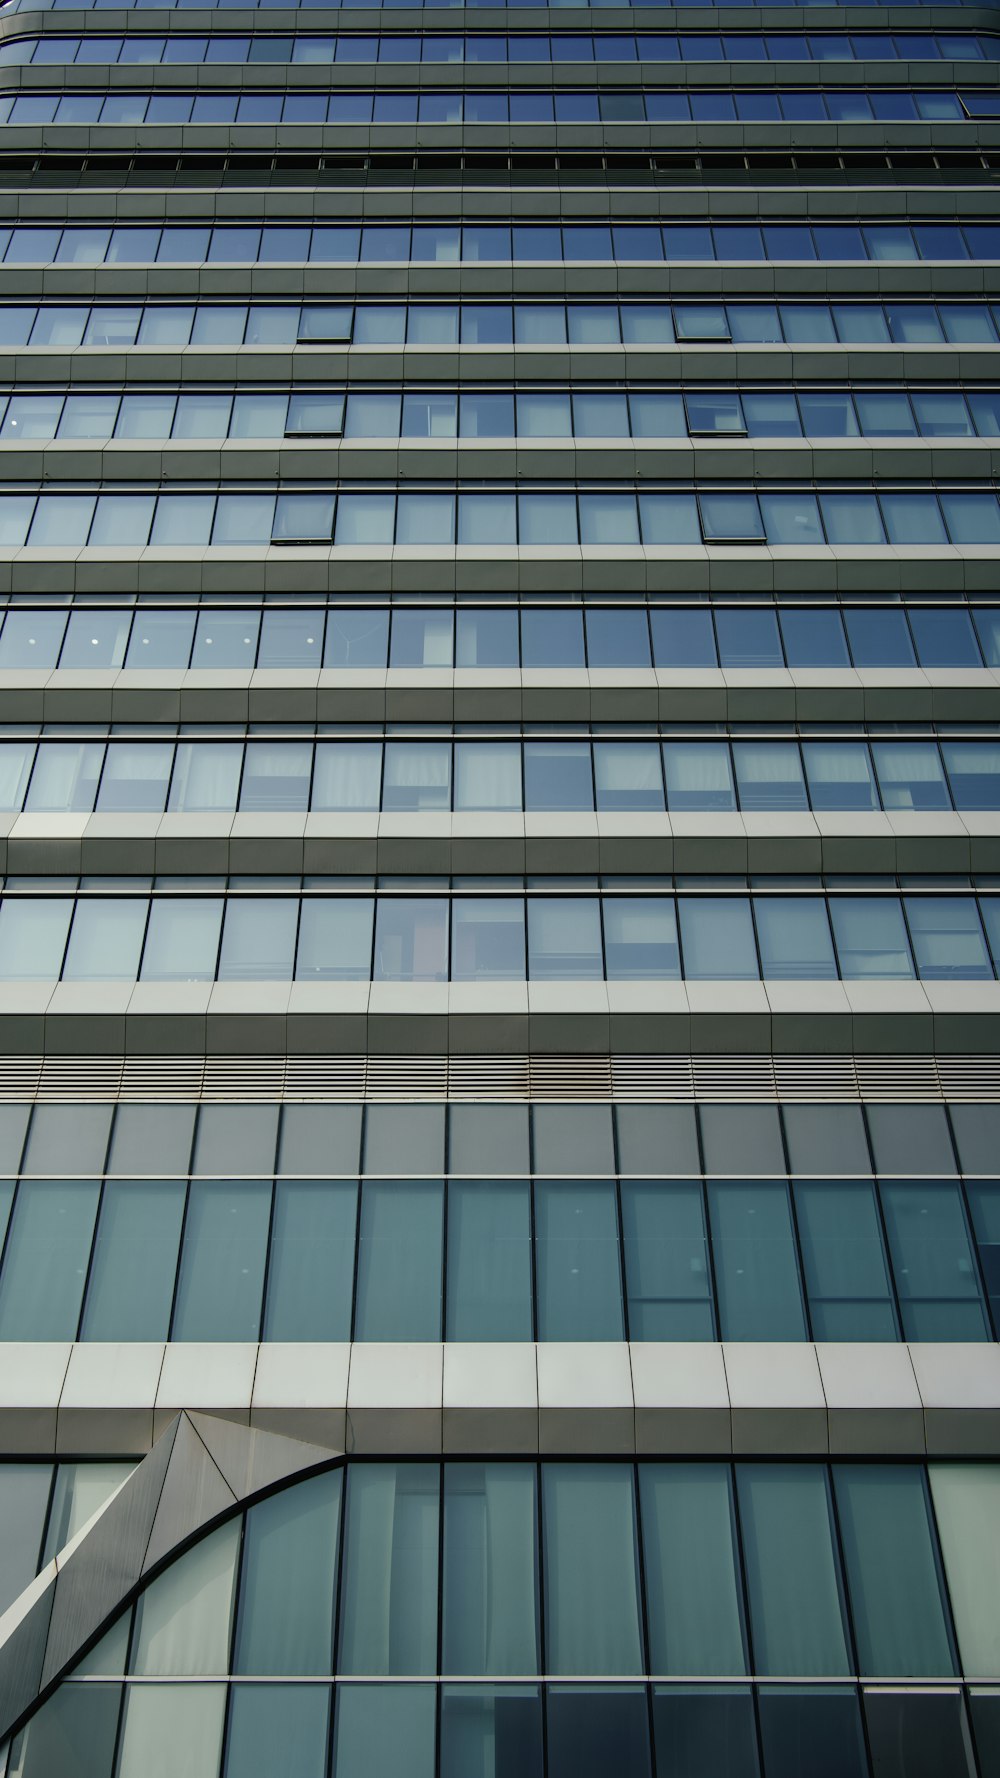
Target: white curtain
x,y
184,1617
487,775
172,1730
967,1504
206,775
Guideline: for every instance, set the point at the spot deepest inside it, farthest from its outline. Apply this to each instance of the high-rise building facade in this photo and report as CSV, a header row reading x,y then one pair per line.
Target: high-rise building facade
x,y
500,923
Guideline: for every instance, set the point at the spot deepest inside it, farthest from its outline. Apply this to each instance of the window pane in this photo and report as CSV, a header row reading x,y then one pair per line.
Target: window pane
x,y
489,1265
717,939
706,1729
846,1272
840,775
590,1553
947,938
106,940
24,1505
769,775
692,1568
223,1255
640,938
490,1569
131,1284
699,776
487,939
756,1270
910,775
417,775
666,1261
64,780
183,1619
871,937
558,775
278,1728
206,775
135,777
487,775
172,1728
310,1279
288,1578
182,940
820,1730
794,937
389,1590
411,940
932,1260
796,1613
628,775
45,1263
967,1504
399,1261
892,1570
347,775
33,938
564,938
258,939
578,1266
384,1728
491,1730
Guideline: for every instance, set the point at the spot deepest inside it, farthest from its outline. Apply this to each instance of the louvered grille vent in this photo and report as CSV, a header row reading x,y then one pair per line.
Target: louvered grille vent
x,y
749,1078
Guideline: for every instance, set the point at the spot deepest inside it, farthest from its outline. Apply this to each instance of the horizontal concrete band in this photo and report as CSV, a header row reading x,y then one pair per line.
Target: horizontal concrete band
x,y
466,694
349,364
580,17
688,568
648,1078
473,1018
426,460
439,844
599,1399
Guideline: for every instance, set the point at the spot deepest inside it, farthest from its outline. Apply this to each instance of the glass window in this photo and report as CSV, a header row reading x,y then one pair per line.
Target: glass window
x,y
223,1255
399,1260
33,937
966,1500
357,639
489,1264
590,1552
692,1568
160,640
258,939
46,1258
846,1273
973,772
310,1279
131,1284
822,1727
15,765
557,775
392,1530
276,775
64,780
487,938
289,1571
748,638
769,775
717,939
421,639
870,936
892,1570
910,775
411,939
577,1260
183,1619
487,775
552,638
31,639
490,1569
384,1728
484,639
793,933
564,938
167,1727
640,938
335,939
628,775
597,1729
756,1270
840,775
933,1261
944,638
278,1727
182,939
947,938
105,942
699,776
135,777
796,1611
666,1267
617,638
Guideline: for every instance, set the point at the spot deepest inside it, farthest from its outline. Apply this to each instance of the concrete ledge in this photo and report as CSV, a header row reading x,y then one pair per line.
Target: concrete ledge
x,y
556,1398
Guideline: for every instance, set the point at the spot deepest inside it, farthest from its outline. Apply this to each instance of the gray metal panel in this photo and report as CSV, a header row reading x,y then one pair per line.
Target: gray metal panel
x,y
250,1459
152,1139
910,1139
826,1139
68,1140
404,1139
233,1140
194,1493
107,1564
573,1139
488,1139
323,1139
977,1137
741,1139
13,1124
657,1139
